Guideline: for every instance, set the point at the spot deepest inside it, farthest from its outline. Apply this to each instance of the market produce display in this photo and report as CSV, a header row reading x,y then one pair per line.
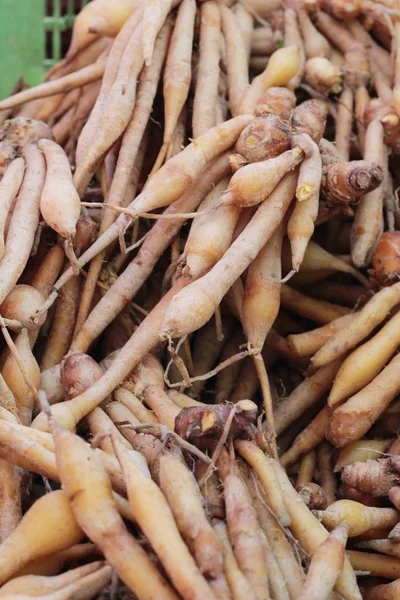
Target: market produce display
x,y
199,306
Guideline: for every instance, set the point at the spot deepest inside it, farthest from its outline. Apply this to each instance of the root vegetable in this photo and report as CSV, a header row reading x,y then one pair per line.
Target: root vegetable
x,y
175,556
10,486
196,298
307,468
326,566
361,451
135,406
23,394
315,44
310,391
24,221
345,182
360,326
377,566
265,137
21,302
66,83
140,268
366,362
63,324
177,73
210,235
281,67
256,458
305,212
42,585
323,75
95,19
111,68
389,547
116,112
88,488
263,42
375,477
154,16
293,38
350,421
206,92
200,424
312,495
170,182
239,584
9,188
368,222
387,591
180,489
246,24
344,123
244,534
357,517
237,59
385,260
31,540
312,534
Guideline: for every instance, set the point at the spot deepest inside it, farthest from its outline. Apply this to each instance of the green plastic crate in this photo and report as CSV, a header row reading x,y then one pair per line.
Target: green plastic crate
x,y
30,38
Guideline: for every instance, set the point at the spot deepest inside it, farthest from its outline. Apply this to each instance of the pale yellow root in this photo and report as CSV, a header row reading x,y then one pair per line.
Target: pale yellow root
x,y
368,221
363,323
88,489
24,221
154,16
244,533
183,495
41,585
326,566
361,451
239,585
127,158
282,66
293,39
309,342
357,517
351,421
14,378
101,425
146,499
9,187
206,93
360,368
64,84
311,533
237,59
135,406
47,527
262,465
376,565
281,548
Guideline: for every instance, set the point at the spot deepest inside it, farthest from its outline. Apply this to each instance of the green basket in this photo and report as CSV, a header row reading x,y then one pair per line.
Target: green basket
x,y
31,38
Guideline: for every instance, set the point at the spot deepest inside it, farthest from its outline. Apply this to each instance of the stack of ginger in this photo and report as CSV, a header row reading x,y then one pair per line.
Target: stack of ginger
x,y
199,306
